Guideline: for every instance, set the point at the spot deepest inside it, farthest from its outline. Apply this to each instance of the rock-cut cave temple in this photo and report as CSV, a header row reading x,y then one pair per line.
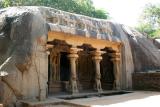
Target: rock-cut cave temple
x,y
48,52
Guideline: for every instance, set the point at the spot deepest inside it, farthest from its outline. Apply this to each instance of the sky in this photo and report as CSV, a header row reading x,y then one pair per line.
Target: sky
x,y
124,11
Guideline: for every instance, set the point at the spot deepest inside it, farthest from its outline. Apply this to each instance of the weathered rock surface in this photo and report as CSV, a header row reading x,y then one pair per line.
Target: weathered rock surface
x,y
23,38
157,42
23,35
146,55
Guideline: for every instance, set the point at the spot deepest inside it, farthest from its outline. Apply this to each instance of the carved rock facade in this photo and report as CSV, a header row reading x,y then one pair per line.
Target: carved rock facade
x,y
27,32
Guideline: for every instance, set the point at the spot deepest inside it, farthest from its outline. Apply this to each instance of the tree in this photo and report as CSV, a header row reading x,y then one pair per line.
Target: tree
x,y
150,20
84,7
152,15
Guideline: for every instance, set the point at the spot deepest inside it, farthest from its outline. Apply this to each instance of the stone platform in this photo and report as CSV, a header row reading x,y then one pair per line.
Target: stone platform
x,y
66,100
136,98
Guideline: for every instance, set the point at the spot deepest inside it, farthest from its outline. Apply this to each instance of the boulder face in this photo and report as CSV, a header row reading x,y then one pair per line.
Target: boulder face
x,y
23,39
23,35
146,54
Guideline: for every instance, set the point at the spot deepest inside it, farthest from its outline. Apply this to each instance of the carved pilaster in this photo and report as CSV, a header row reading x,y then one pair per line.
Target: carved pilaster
x,y
116,65
73,77
97,58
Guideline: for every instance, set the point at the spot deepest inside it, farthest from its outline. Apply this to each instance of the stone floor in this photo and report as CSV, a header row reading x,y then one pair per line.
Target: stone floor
x,y
137,98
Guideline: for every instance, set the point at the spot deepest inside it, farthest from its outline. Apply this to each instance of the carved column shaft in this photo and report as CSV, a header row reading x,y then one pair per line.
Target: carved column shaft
x,y
73,58
97,61
116,65
73,77
97,58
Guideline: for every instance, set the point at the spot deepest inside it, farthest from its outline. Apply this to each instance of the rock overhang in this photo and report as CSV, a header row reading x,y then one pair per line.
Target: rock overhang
x,y
70,23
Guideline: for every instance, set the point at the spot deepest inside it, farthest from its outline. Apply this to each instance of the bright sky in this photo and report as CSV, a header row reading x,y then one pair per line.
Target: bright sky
x,y
124,11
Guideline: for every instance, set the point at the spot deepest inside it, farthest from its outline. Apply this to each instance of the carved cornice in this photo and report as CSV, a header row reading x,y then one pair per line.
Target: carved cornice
x,y
66,22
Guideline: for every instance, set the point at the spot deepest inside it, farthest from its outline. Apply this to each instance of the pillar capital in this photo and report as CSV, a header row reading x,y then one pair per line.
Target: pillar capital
x,y
74,50
115,54
97,58
73,56
97,52
115,59
96,55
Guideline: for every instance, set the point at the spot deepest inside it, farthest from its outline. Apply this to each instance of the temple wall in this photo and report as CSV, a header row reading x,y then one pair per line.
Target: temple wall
x,y
146,81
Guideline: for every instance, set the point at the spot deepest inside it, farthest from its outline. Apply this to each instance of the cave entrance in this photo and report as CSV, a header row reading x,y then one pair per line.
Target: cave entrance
x,y
60,72
86,70
64,67
59,67
107,72
78,64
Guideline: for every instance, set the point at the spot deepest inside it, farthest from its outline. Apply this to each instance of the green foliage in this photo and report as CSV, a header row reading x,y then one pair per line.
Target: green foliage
x,y
101,14
84,7
150,21
156,33
146,28
152,15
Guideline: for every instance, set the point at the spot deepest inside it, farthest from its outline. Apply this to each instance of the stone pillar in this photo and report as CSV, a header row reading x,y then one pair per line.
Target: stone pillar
x,y
116,66
73,76
97,58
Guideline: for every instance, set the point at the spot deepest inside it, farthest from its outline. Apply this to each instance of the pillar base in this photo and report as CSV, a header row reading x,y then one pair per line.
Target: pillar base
x,y
74,88
98,87
42,95
116,86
